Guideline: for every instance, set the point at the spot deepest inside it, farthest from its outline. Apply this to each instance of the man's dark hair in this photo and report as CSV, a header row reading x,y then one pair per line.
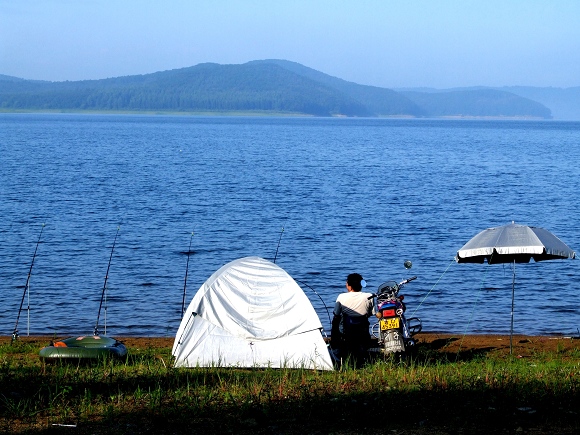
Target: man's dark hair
x,y
354,280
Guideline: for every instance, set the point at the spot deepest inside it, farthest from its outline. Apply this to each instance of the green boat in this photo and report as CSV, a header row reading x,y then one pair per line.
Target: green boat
x,y
84,348
90,347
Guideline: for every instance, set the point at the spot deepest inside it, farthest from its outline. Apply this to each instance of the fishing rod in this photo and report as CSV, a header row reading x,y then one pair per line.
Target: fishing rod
x,y
185,280
96,331
301,282
278,247
15,332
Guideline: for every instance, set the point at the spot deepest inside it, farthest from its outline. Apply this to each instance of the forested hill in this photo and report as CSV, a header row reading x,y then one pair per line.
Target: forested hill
x,y
563,102
478,103
379,101
267,86
10,78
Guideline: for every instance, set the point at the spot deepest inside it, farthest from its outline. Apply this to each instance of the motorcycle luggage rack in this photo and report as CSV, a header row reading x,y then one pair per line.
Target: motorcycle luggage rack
x,y
382,298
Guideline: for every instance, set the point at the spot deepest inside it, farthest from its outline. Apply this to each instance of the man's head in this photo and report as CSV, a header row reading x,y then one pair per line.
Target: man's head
x,y
355,282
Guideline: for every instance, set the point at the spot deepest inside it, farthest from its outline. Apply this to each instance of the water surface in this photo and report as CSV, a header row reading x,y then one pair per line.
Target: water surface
x,y
351,194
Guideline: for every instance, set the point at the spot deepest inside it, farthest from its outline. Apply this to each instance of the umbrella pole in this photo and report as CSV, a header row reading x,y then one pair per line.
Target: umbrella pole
x,y
512,314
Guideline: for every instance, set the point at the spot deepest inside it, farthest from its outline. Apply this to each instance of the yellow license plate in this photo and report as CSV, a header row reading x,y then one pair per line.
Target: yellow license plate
x,y
391,323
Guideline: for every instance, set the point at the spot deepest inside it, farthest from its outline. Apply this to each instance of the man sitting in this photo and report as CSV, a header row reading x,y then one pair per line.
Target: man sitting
x,y
350,324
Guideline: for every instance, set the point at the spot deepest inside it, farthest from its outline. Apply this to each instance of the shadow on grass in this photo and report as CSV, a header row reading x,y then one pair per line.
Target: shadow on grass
x,y
425,412
143,396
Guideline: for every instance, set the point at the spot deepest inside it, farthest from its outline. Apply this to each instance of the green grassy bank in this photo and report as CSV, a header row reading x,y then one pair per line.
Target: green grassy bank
x,y
467,391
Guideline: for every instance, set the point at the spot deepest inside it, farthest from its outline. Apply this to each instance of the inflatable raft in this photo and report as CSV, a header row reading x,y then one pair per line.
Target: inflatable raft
x,y
85,348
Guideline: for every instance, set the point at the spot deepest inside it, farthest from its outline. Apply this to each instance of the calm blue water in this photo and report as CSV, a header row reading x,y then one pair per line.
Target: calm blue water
x,y
352,195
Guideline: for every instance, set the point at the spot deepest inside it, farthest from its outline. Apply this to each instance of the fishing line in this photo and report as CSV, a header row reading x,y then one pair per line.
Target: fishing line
x,y
96,330
301,282
278,247
321,300
433,288
185,279
472,311
15,332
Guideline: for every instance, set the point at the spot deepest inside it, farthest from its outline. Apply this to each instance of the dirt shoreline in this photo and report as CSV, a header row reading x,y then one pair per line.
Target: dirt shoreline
x,y
522,345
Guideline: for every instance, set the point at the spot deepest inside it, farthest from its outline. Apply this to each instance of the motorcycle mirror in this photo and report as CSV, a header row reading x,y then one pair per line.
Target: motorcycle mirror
x,y
408,264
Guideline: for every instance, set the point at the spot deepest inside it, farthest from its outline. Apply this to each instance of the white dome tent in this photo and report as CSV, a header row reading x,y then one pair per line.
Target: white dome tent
x,y
251,313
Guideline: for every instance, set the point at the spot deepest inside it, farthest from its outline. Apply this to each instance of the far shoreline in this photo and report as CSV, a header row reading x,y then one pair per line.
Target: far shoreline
x,y
273,114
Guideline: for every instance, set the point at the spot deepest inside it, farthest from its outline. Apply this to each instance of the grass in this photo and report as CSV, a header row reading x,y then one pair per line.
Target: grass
x,y
434,393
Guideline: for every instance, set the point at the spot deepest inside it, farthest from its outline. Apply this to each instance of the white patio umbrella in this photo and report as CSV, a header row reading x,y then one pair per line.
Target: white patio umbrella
x,y
513,243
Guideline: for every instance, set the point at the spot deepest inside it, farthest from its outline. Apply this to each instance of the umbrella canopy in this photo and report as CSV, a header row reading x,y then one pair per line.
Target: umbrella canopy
x,y
513,243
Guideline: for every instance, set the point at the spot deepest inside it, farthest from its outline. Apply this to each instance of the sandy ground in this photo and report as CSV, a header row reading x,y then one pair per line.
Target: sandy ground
x,y
521,345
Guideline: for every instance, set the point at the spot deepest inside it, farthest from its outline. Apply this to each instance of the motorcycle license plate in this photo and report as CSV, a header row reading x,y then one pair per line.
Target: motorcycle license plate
x,y
391,323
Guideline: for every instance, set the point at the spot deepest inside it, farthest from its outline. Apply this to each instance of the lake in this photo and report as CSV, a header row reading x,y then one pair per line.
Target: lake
x,y
352,195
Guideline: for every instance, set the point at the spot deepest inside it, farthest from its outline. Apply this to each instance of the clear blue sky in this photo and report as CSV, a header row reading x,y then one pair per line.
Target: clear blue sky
x,y
406,43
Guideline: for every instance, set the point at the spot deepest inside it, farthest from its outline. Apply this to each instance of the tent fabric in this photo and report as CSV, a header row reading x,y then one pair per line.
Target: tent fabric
x,y
251,313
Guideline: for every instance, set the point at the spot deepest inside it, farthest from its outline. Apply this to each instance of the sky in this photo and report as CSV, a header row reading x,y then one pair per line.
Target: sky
x,y
388,43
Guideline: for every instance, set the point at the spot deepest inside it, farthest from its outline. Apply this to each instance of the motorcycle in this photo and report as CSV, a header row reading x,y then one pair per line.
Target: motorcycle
x,y
394,331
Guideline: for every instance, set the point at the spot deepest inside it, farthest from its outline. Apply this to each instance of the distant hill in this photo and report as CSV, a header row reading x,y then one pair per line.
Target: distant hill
x,y
204,87
478,103
380,101
9,78
265,86
563,102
